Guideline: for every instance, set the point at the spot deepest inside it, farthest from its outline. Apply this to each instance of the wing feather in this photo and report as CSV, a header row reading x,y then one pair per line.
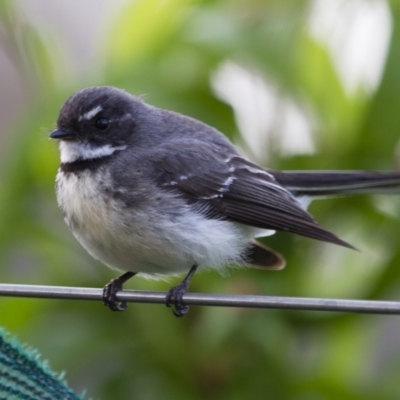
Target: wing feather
x,y
221,184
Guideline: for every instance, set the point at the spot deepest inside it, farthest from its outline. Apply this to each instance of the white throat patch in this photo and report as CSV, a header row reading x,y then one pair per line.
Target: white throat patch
x,y
73,151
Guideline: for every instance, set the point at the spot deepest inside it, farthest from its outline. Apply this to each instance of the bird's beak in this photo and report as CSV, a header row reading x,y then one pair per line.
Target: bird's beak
x,y
63,134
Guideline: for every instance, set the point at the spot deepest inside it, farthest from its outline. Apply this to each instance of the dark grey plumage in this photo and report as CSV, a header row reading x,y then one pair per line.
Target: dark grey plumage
x,y
172,193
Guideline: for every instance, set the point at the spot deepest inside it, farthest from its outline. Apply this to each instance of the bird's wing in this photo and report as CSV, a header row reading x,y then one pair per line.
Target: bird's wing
x,y
221,184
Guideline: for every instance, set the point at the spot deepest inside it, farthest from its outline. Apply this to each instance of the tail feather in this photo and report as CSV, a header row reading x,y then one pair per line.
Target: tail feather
x,y
336,183
263,257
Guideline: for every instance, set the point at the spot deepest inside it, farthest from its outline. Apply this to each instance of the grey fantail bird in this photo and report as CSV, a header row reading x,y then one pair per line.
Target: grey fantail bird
x,y
152,192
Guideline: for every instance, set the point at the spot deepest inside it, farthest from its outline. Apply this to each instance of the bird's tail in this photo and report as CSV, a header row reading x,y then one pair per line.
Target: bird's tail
x,y
337,183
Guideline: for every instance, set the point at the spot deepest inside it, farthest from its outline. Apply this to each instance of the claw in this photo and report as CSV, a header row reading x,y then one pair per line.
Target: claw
x,y
112,288
176,293
174,297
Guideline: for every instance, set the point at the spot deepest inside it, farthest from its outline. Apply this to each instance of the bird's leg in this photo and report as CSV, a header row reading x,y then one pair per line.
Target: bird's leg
x,y
111,289
176,293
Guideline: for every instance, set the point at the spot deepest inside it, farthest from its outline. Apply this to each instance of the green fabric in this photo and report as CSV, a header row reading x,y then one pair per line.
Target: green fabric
x,y
24,376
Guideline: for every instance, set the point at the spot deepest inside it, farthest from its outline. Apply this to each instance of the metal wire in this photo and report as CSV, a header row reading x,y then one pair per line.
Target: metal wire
x,y
219,300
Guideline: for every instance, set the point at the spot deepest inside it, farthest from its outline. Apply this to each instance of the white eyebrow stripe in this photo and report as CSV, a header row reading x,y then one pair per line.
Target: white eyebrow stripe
x,y
90,114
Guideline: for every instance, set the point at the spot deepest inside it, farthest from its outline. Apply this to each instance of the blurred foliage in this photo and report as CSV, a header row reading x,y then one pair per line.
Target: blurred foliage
x,y
168,50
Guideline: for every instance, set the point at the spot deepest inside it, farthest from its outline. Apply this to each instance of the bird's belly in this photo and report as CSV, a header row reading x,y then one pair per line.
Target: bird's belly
x,y
160,241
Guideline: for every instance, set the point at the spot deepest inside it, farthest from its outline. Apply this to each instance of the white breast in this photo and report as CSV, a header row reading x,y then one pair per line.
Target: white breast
x,y
166,239
86,211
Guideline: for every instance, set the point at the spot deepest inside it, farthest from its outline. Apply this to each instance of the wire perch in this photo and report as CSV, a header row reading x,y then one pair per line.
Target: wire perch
x,y
202,299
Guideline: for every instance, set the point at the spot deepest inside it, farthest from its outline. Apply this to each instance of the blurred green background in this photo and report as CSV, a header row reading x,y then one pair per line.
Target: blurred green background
x,y
295,84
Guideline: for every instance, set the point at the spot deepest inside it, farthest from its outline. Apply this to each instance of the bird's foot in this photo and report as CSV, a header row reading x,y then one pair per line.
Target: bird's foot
x,y
175,295
111,289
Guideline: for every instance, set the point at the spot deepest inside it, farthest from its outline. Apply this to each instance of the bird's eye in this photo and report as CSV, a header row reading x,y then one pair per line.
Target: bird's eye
x,y
102,123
